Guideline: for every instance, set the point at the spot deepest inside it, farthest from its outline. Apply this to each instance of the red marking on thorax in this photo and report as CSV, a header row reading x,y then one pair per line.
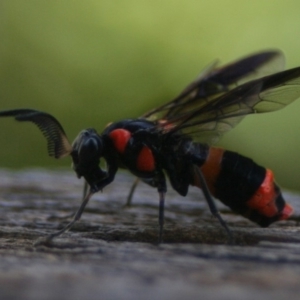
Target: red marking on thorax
x,y
264,199
145,160
120,138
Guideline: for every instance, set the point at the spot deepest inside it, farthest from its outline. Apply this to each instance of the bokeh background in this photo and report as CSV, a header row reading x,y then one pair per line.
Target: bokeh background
x,y
95,61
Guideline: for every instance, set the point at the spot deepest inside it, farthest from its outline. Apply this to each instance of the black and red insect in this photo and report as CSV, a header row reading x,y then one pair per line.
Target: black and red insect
x,y
172,141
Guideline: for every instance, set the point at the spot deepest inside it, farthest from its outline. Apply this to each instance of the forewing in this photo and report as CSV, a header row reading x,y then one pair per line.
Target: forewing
x,y
210,121
213,82
57,141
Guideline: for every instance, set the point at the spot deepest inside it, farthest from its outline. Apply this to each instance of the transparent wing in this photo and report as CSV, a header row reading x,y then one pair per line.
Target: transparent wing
x,y
210,121
57,142
213,81
220,97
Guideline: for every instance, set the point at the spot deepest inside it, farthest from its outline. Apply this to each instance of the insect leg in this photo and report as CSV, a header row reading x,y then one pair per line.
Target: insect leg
x,y
131,192
161,215
85,190
77,216
84,193
211,203
162,189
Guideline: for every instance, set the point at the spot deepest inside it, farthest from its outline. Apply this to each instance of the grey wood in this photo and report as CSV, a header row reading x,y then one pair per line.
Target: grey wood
x,y
111,253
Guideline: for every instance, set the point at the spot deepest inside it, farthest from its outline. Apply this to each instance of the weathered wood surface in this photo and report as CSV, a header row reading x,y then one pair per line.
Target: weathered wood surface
x,y
112,253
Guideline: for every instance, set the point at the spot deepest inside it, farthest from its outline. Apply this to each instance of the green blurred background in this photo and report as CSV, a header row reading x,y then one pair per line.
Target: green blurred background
x,y
91,62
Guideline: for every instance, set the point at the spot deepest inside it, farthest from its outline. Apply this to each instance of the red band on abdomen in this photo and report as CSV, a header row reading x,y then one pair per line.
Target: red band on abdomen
x,y
264,199
212,167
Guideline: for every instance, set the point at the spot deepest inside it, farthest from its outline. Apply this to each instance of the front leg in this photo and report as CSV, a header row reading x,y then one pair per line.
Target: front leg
x,y
95,185
50,237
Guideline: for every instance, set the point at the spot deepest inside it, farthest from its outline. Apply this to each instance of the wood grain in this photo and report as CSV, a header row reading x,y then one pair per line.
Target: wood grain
x,y
111,253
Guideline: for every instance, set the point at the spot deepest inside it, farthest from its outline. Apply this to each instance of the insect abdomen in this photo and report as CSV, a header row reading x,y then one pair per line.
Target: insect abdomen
x,y
244,186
